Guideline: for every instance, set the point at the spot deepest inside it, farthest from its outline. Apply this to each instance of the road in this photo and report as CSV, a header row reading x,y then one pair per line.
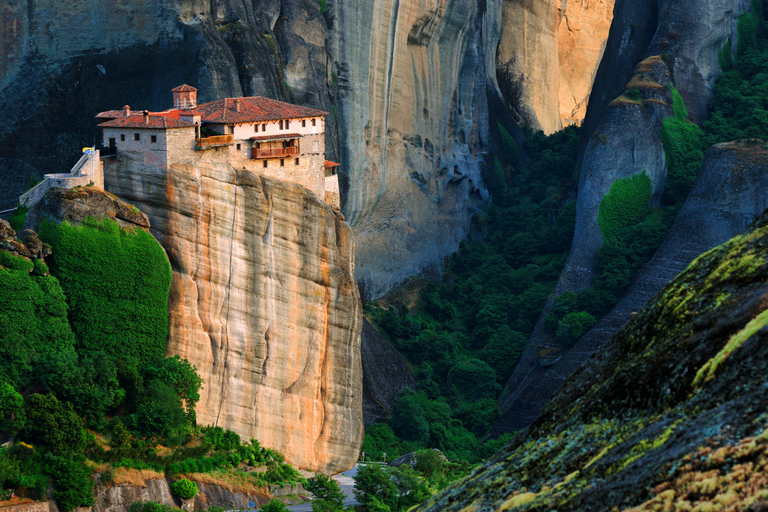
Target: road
x,y
346,483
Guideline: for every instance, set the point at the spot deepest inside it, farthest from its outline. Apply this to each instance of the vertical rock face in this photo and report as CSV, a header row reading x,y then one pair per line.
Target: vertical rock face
x,y
549,52
263,302
412,79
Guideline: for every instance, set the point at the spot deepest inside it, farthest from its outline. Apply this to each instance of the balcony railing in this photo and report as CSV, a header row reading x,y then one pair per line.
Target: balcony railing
x,y
215,140
276,152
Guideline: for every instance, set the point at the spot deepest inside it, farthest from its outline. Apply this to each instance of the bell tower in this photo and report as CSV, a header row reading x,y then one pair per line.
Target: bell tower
x,y
184,97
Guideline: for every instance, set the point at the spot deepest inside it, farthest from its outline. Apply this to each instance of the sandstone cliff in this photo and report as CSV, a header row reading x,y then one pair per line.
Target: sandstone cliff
x,y
669,415
412,81
264,303
728,195
548,55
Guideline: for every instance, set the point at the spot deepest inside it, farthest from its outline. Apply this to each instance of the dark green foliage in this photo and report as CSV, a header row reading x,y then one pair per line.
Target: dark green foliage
x,y
184,489
160,413
468,331
39,268
71,486
33,316
182,377
372,482
626,204
328,496
220,439
89,383
739,108
573,326
725,56
12,413
274,506
53,425
429,463
16,220
117,283
682,148
634,94
491,446
151,506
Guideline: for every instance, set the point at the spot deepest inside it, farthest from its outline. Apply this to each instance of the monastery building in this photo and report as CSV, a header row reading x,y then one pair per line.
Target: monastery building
x,y
270,137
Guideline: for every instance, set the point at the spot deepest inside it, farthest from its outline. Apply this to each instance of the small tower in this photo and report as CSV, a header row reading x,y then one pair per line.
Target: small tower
x,y
184,97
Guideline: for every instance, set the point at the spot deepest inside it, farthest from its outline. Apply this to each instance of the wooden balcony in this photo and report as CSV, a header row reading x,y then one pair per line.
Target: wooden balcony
x,y
214,141
276,152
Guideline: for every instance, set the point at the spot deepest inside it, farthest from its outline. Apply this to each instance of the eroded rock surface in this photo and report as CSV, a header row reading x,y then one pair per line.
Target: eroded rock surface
x,y
264,303
548,56
413,80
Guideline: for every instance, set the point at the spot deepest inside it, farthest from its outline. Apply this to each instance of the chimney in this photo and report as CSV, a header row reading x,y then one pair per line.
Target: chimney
x,y
126,111
146,117
237,105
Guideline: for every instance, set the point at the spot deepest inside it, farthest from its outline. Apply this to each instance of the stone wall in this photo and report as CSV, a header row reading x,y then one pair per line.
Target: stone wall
x,y
89,169
332,190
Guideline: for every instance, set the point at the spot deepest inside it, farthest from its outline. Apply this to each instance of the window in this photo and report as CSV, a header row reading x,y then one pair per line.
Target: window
x,y
281,124
282,162
287,123
303,123
136,136
122,136
264,127
256,127
297,161
238,147
265,164
154,138
313,122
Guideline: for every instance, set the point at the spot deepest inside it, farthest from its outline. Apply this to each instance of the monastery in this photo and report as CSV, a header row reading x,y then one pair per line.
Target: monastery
x,y
266,136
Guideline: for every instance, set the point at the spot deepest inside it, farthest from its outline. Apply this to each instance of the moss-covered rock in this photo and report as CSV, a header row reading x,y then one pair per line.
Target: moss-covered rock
x,y
668,416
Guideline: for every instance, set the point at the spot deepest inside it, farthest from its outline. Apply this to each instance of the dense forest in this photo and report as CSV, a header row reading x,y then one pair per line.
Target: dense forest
x,y
463,335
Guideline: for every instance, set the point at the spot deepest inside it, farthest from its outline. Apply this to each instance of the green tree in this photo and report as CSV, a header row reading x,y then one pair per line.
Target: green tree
x,y
182,376
12,414
72,486
408,420
374,484
184,489
53,425
160,412
327,493
274,506
625,204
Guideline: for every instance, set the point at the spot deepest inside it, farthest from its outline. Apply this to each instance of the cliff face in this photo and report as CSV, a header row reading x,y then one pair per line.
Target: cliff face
x,y
264,303
412,80
548,55
669,415
727,196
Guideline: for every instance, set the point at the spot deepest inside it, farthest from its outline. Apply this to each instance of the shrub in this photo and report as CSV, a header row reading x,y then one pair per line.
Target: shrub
x,y
16,220
625,204
372,484
681,140
72,486
274,506
634,94
53,425
151,506
11,409
184,489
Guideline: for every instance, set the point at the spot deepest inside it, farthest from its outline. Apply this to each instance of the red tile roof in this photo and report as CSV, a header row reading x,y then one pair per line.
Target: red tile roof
x,y
328,164
252,109
153,121
278,137
183,88
111,114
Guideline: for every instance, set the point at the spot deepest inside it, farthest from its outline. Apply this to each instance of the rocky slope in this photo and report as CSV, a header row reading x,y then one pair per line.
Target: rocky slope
x,y
548,55
728,195
669,415
413,80
263,302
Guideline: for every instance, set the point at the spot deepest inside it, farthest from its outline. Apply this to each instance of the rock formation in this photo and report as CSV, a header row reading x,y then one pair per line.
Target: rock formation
x,y
412,80
728,195
670,414
264,303
548,56
385,375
